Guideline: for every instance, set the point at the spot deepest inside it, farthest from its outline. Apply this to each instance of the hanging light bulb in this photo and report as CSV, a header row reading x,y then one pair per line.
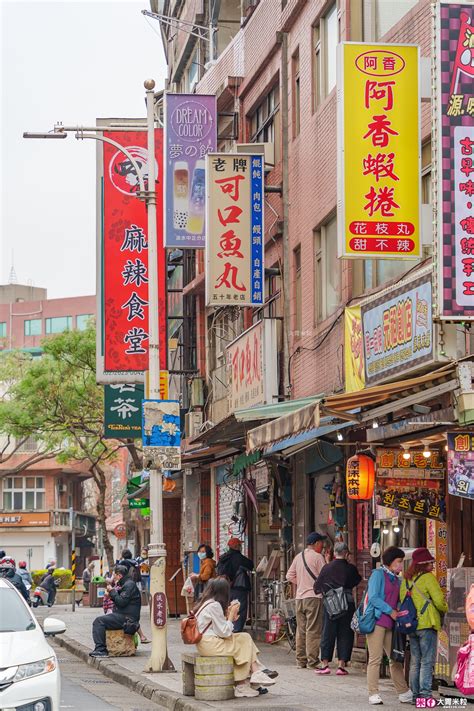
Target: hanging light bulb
x,y
426,452
406,455
340,436
396,529
385,531
375,424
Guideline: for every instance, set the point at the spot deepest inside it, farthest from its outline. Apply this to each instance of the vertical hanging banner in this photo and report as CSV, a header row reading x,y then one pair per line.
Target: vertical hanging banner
x,y
354,369
378,151
454,65
234,235
190,134
124,258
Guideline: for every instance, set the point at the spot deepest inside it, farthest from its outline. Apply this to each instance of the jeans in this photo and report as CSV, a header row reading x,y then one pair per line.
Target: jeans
x,y
339,630
113,621
243,597
423,655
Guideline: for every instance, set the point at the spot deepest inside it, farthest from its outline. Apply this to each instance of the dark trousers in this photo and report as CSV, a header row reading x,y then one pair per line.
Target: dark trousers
x,y
51,596
243,597
339,630
113,621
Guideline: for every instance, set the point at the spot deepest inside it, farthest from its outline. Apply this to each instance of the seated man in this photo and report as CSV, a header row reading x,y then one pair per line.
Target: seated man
x,y
127,605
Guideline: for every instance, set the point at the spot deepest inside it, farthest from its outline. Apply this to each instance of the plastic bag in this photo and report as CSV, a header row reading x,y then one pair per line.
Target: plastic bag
x,y
464,678
188,588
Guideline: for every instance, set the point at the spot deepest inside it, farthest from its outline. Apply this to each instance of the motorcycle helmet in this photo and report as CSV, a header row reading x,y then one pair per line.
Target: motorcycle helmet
x,y
22,564
7,567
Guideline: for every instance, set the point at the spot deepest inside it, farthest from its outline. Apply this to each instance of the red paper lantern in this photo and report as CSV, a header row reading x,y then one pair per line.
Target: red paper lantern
x,y
360,477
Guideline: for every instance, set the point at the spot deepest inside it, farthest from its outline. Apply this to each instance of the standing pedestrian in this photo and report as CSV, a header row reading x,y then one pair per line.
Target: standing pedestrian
x,y
236,567
339,573
87,576
303,573
430,604
207,569
383,596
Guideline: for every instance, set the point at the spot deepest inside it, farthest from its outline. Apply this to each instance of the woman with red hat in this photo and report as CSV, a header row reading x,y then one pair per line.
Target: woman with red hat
x,y
430,604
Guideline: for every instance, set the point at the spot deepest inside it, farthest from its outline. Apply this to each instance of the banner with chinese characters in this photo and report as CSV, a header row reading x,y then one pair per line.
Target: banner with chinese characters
x,y
453,61
437,544
190,134
414,485
234,236
398,330
123,410
461,464
252,366
379,151
353,350
124,301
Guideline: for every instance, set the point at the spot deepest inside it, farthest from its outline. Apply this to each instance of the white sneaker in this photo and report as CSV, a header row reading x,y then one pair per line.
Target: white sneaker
x,y
262,679
242,691
375,699
406,698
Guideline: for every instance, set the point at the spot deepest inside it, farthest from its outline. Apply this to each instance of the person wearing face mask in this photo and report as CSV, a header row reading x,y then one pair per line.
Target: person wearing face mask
x,y
207,569
383,596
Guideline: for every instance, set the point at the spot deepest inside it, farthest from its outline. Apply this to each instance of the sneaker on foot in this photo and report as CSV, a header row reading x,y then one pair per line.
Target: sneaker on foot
x,y
243,691
98,654
261,679
375,699
299,665
322,670
406,698
272,673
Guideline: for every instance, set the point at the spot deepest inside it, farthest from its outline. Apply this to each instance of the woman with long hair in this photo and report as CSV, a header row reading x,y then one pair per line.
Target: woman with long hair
x,y
207,569
383,597
215,616
430,604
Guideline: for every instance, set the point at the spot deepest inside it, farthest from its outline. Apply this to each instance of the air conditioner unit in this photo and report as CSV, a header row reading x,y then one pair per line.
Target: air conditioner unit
x,y
192,423
62,488
267,149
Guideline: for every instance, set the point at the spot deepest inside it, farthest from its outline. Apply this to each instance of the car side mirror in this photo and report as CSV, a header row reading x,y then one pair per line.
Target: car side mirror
x,y
52,626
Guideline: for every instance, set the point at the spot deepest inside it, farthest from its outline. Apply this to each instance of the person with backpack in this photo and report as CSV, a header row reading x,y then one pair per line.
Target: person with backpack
x,y
235,566
129,562
383,597
422,588
302,574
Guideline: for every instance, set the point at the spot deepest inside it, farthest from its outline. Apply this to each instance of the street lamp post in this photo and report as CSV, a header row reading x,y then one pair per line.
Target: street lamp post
x,y
159,660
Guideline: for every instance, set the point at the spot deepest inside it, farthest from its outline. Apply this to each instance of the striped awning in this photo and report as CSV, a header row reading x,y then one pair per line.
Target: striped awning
x,y
306,418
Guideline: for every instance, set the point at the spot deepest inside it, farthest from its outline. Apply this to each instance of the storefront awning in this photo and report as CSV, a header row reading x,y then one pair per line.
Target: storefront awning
x,y
301,420
275,409
291,445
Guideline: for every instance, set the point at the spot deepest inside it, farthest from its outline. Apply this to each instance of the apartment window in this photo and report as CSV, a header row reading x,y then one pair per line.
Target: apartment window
x,y
327,271
3,329
265,121
58,324
23,493
379,16
426,174
380,271
33,327
296,93
82,321
192,72
29,445
325,41
298,294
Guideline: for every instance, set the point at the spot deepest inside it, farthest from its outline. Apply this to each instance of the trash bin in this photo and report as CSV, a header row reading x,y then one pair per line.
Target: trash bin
x,y
97,591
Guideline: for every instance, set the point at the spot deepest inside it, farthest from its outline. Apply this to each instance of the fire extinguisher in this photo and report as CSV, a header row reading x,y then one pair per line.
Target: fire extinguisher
x,y
275,624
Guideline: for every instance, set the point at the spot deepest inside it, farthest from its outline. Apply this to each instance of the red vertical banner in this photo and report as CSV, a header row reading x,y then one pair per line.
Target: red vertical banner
x,y
125,254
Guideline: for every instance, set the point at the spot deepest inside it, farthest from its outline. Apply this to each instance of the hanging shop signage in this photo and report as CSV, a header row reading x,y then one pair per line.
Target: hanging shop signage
x,y
398,331
138,503
453,62
360,477
437,544
190,134
353,350
461,464
123,289
123,410
235,230
161,434
20,519
413,486
252,366
379,151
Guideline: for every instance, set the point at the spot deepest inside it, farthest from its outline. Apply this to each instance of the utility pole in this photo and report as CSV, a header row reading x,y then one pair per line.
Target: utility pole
x,y
72,524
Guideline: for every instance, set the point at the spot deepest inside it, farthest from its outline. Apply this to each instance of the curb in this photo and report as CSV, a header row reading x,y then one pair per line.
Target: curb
x,y
154,692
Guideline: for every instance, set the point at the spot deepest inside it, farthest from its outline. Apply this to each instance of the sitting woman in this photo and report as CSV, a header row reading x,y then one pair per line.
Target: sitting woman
x,y
215,618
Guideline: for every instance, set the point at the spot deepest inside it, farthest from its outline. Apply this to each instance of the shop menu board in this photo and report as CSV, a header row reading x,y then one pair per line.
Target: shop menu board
x,y
461,464
414,485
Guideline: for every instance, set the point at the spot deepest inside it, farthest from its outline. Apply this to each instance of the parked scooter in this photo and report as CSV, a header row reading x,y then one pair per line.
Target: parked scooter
x,y
40,596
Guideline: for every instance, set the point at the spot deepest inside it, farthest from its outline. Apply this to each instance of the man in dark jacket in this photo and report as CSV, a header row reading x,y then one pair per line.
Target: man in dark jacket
x,y
49,584
129,562
338,574
235,567
8,571
127,605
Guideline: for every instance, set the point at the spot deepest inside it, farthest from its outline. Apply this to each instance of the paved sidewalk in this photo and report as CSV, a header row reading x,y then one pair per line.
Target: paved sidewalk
x,y
296,689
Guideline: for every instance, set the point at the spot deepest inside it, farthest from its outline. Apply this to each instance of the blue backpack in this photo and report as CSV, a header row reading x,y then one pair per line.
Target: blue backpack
x,y
407,620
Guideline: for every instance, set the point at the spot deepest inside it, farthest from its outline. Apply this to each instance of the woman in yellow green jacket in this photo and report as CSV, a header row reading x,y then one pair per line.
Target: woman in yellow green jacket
x,y
430,603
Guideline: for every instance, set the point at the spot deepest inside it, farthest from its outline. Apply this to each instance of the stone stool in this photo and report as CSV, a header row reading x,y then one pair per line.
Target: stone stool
x,y
208,678
119,644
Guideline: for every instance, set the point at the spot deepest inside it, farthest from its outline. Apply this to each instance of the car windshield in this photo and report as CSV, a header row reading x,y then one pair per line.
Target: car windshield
x,y
14,616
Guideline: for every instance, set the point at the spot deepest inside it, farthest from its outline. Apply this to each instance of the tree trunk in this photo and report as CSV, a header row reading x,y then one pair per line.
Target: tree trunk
x,y
99,478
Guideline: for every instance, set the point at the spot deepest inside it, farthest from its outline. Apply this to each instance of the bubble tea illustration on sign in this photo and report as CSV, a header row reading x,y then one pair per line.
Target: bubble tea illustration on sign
x,y
190,136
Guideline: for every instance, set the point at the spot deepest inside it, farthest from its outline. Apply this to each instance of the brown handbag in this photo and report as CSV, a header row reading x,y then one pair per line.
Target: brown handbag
x,y
189,627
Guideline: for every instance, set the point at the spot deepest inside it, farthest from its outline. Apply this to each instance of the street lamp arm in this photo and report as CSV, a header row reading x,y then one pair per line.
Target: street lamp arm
x,y
80,135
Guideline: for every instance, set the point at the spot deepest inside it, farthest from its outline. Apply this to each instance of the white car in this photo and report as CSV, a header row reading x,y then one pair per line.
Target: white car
x,y
29,673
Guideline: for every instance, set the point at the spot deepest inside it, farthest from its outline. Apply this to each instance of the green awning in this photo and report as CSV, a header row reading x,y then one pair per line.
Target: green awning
x,y
276,409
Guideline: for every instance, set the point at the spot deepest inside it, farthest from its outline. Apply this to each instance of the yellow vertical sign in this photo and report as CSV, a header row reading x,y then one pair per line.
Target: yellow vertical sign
x,y
354,367
379,151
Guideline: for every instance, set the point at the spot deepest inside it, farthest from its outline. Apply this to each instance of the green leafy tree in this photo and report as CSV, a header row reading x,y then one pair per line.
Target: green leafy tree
x,y
56,399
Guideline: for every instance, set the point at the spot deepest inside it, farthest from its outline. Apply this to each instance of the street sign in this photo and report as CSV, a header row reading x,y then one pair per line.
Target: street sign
x,y
161,433
123,411
138,503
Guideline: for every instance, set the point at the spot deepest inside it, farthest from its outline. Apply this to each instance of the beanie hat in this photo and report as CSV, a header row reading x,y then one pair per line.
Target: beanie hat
x,y
422,555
